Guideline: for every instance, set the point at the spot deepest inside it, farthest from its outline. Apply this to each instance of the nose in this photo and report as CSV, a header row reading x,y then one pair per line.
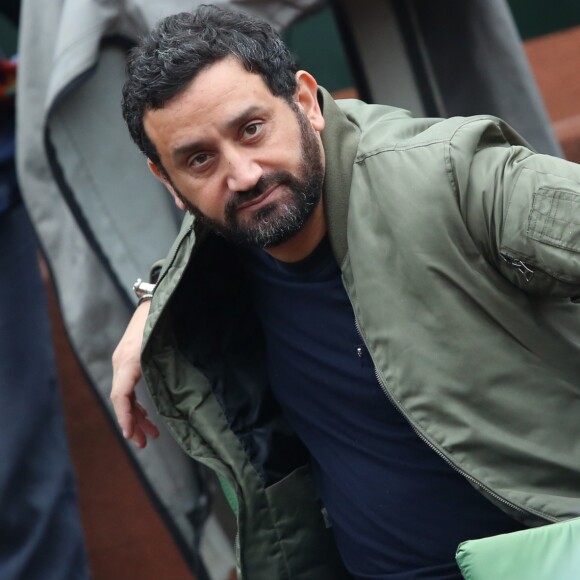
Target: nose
x,y
243,171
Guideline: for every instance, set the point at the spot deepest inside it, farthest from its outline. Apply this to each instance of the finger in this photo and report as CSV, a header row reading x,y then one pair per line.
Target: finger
x,y
138,437
123,397
143,426
149,428
124,412
143,421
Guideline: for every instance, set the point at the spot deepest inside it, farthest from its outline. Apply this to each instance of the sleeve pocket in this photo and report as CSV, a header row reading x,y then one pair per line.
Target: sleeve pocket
x,y
552,218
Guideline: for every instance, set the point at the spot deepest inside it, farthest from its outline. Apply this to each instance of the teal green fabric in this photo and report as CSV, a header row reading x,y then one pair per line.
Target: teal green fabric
x,y
459,253
229,493
547,553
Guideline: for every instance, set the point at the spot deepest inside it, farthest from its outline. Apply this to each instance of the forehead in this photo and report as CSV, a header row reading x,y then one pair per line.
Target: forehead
x,y
217,94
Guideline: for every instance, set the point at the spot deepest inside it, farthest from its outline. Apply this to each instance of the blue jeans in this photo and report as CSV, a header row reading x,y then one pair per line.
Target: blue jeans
x,y
40,531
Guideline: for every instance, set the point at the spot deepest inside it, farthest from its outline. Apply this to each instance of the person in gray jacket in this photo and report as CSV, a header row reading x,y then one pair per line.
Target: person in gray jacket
x,y
365,322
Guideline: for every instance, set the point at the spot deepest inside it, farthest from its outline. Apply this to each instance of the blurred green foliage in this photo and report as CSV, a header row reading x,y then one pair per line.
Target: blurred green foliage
x,y
538,17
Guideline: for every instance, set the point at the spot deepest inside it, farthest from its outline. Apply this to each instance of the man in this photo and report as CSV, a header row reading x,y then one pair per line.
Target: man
x,y
365,322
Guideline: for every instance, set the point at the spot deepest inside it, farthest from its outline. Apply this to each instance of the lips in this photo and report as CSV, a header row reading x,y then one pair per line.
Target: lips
x,y
257,201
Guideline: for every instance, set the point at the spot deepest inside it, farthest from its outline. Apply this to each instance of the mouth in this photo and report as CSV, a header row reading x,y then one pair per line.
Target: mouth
x,y
259,201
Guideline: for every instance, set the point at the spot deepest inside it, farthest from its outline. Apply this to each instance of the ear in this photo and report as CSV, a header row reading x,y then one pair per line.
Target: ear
x,y
306,97
157,173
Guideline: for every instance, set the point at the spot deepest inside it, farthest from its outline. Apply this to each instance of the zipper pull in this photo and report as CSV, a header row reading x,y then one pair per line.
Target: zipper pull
x,y
520,266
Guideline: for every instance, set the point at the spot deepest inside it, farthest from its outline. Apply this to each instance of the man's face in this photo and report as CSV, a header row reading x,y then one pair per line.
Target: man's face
x,y
247,163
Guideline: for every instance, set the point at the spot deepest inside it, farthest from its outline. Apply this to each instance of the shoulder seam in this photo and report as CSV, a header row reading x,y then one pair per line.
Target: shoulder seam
x,y
404,147
361,157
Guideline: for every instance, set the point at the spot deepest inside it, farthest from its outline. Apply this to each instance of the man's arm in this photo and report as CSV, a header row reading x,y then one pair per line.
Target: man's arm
x,y
522,210
131,415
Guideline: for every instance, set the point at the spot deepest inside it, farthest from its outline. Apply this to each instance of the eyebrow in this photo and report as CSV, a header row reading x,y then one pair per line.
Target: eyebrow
x,y
227,126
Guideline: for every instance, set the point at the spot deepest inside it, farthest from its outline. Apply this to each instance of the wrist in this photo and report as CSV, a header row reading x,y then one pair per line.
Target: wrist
x,y
144,298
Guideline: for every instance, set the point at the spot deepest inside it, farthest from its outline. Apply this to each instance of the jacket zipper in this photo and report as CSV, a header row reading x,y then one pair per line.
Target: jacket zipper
x,y
422,437
520,266
237,553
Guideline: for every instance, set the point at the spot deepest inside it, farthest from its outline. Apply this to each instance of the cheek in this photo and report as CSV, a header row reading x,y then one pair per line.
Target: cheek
x,y
209,200
286,155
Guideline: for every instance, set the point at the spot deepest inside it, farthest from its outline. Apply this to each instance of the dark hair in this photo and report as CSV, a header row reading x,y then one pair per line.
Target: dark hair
x,y
182,45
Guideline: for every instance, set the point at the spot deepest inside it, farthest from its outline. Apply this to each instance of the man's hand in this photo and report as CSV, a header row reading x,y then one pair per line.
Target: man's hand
x,y
131,415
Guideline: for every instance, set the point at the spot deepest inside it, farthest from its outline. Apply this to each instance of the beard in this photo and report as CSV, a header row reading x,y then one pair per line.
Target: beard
x,y
278,221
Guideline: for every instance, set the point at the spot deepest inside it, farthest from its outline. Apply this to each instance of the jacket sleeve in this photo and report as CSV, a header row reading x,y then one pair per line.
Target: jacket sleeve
x,y
522,209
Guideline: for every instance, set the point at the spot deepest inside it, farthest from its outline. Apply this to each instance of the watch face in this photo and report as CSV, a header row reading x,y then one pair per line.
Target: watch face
x,y
143,288
137,288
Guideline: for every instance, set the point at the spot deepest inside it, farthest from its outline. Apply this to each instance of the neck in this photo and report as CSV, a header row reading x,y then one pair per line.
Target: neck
x,y
305,241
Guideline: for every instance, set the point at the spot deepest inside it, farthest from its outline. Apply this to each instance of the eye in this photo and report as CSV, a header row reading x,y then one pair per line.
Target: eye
x,y
199,160
253,129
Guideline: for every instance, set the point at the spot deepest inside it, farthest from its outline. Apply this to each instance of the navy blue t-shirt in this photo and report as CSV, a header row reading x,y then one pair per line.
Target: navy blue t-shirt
x,y
398,510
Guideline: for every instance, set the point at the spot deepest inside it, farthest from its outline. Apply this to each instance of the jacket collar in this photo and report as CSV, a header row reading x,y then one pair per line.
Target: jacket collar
x,y
340,139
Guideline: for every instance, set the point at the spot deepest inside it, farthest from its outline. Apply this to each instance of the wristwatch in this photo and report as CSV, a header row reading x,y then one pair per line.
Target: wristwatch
x,y
143,290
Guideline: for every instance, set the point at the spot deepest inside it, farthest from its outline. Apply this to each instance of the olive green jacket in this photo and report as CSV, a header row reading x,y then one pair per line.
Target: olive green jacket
x,y
460,250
